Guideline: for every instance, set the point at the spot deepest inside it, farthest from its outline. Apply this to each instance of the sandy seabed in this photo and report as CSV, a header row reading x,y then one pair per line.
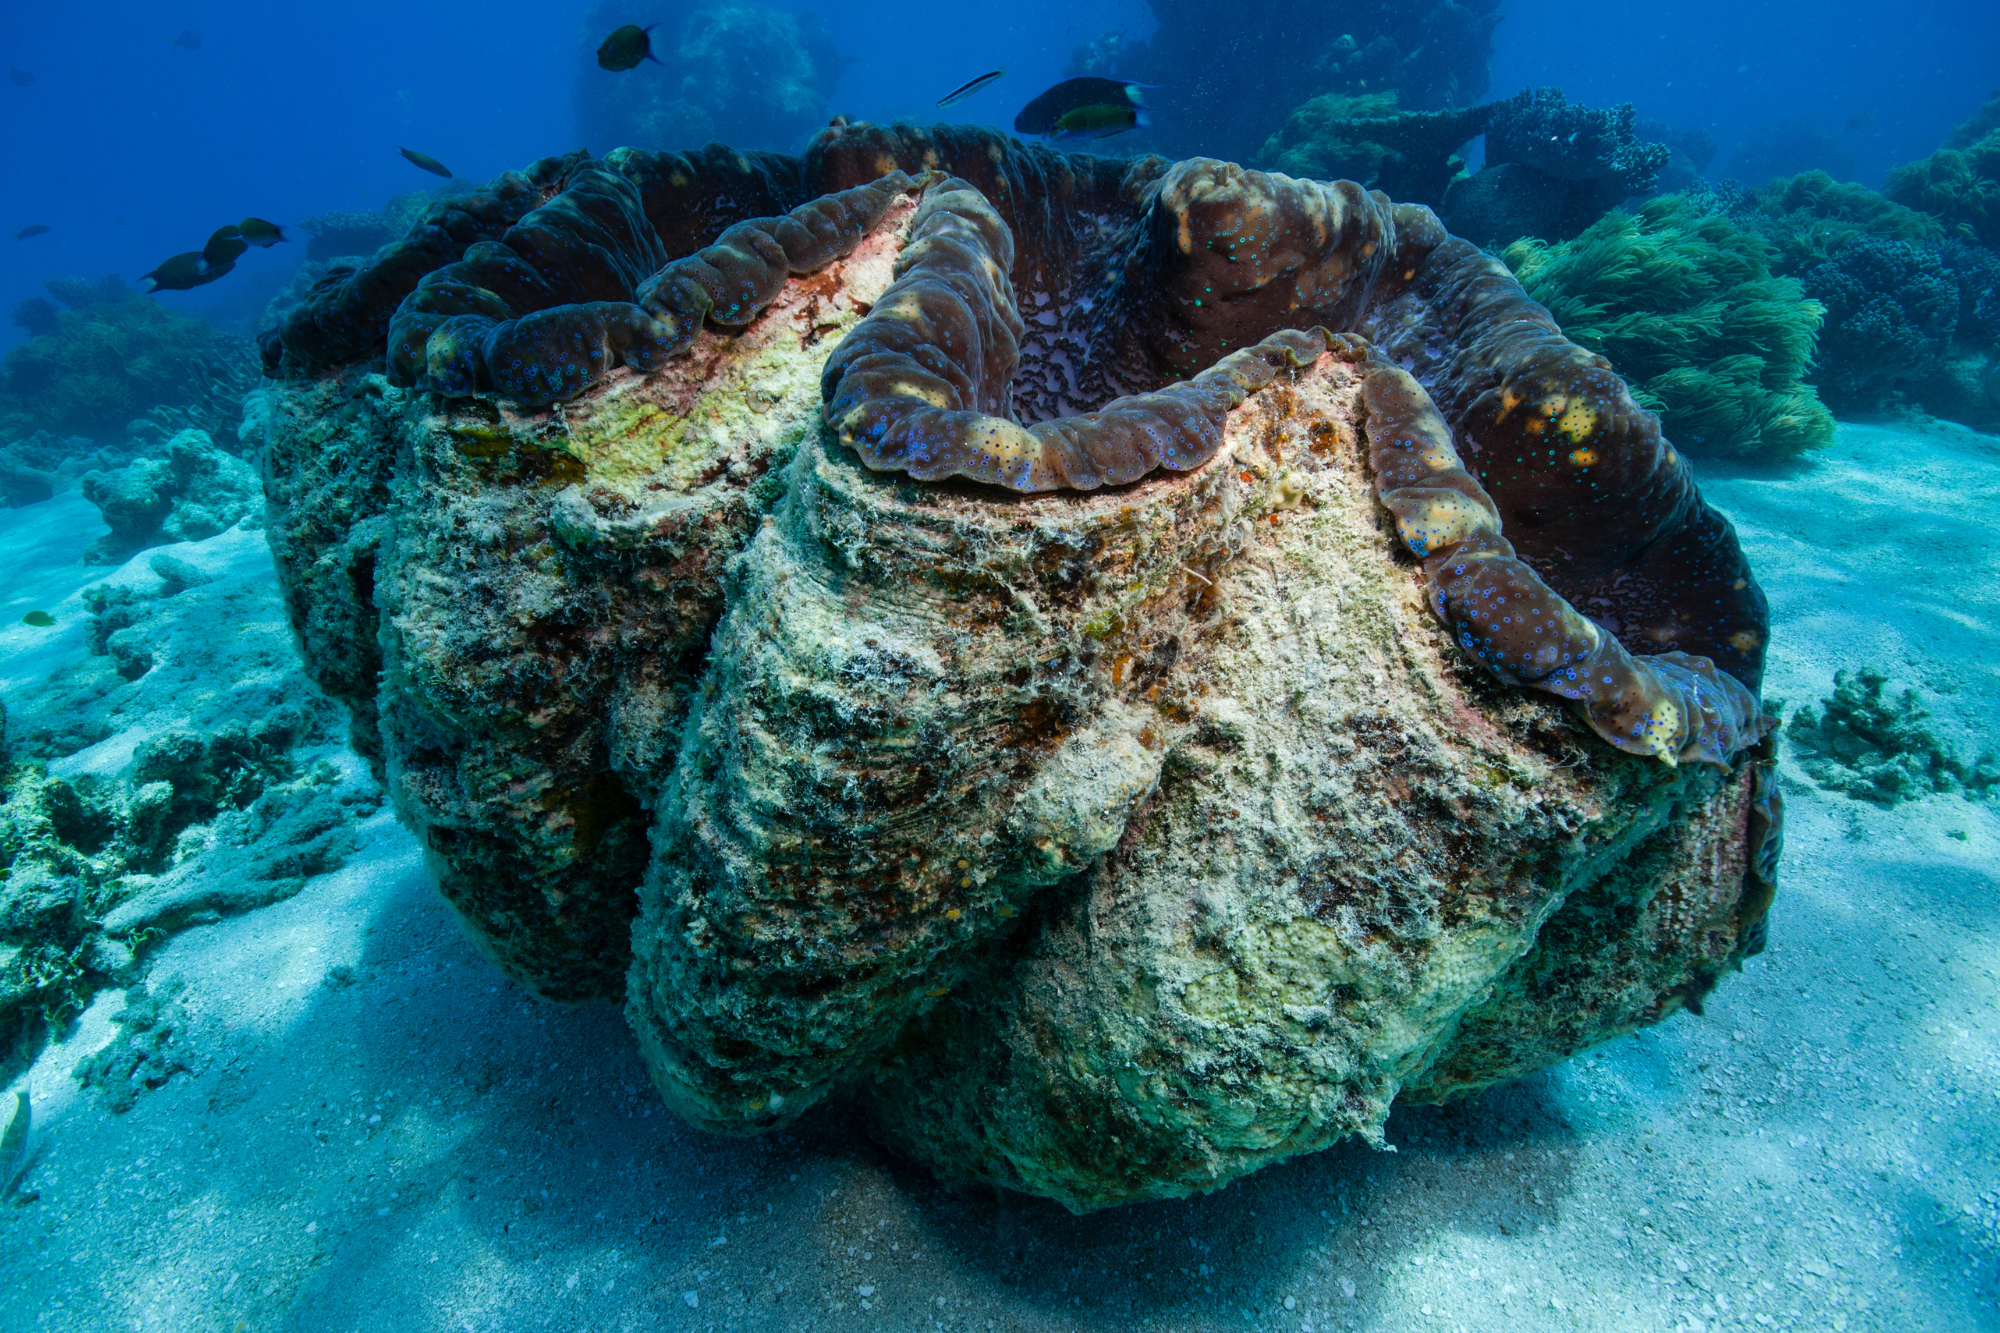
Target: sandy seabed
x,y
376,1131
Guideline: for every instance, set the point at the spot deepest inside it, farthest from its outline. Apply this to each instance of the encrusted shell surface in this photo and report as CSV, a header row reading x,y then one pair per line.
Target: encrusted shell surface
x,y
1104,845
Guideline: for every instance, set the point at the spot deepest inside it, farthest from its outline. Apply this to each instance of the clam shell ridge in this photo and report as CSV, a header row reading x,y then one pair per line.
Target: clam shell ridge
x,y
1201,755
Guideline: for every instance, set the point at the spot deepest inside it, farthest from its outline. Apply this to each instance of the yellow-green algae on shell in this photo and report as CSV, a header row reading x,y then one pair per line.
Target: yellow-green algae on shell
x,y
515,604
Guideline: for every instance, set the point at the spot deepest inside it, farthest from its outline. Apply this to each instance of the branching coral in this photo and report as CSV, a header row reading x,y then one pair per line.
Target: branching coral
x,y
1685,304
1892,309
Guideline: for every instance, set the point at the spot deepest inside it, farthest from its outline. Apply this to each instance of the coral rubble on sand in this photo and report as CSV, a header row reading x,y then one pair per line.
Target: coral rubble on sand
x,y
1880,749
1108,832
172,766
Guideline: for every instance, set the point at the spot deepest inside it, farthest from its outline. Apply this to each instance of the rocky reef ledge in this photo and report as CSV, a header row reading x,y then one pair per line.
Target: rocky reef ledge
x,y
1104,845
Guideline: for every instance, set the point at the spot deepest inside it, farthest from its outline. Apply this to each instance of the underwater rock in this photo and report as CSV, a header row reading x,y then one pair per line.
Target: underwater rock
x,y
193,492
200,799
1879,749
1093,606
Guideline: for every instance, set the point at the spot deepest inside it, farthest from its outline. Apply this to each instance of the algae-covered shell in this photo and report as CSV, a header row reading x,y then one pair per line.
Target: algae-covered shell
x,y
516,606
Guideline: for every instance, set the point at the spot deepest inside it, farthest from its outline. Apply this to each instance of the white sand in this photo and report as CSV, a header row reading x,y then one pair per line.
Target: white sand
x,y
379,1133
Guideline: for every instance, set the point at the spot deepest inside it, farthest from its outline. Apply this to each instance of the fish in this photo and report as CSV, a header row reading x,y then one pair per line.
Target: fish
x,y
20,78
184,271
626,47
427,162
225,246
261,233
1097,122
1040,116
965,90
39,619
186,40
36,229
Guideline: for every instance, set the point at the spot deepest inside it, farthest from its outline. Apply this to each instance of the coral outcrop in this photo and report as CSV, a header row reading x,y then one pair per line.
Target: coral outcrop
x,y
110,355
974,583
1682,301
189,491
1880,748
1959,184
1410,156
1552,168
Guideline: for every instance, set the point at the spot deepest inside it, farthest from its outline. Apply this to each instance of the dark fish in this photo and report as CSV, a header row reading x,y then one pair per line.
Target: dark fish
x,y
427,162
965,90
39,619
1097,122
626,47
36,230
225,246
182,272
261,233
1861,120
1040,116
20,77
187,40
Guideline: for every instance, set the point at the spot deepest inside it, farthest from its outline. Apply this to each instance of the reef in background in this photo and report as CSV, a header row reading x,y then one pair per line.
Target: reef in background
x,y
756,76
1431,54
1684,303
101,355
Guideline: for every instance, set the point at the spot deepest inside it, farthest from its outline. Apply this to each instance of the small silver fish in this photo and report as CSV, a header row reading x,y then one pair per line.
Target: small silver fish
x,y
965,90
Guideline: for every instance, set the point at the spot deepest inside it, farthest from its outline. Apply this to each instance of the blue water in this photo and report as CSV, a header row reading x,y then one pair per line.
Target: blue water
x,y
131,149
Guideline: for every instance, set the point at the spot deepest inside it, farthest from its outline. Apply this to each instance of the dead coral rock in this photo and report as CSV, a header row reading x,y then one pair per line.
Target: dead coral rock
x,y
1880,749
192,492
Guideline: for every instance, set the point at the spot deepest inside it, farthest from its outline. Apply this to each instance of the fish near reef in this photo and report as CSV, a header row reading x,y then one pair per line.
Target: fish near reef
x,y
965,90
224,247
36,230
1096,122
1040,116
260,233
427,162
182,272
626,47
39,619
